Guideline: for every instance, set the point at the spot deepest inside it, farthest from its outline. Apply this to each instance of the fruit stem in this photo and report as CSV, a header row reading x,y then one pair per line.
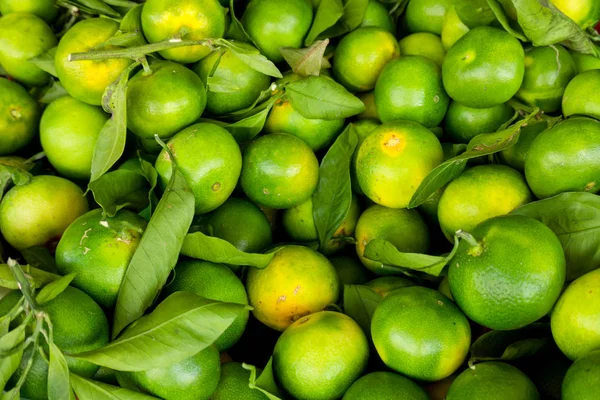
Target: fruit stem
x,y
476,247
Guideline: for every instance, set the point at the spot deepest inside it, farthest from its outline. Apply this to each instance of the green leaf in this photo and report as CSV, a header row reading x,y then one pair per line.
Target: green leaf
x,y
10,363
544,24
306,62
59,386
247,128
54,288
111,140
474,13
354,13
12,394
333,195
55,90
158,251
501,16
36,277
236,29
96,7
318,97
87,389
266,381
119,189
575,219
436,179
40,257
130,30
218,84
327,15
213,249
45,61
11,340
181,326
360,303
252,58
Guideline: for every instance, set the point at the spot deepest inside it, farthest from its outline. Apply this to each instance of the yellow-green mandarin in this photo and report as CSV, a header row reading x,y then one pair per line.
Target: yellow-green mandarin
x,y
423,44
378,15
462,123
416,314
393,161
233,384
515,155
19,117
452,28
385,385
387,284
584,12
44,9
426,15
585,62
581,96
582,381
368,99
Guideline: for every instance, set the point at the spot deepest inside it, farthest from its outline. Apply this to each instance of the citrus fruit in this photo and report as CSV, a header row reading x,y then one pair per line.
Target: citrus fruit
x,y
548,70
320,356
452,28
24,36
383,386
478,194
515,155
417,314
350,270
494,381
583,86
444,288
98,249
410,88
584,12
44,9
188,20
19,117
368,99
299,223
363,128
298,281
69,126
423,44
38,212
279,171
316,133
405,229
273,24
426,15
511,275
393,161
210,160
484,68
242,224
582,381
387,284
377,15
194,378
165,101
565,158
213,282
233,384
575,319
248,82
86,80
463,123
361,55
585,62
79,325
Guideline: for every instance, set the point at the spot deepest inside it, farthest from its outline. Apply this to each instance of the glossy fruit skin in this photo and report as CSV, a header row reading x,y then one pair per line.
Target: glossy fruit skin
x,y
405,229
233,384
384,385
478,194
581,97
44,9
370,113
363,128
410,88
582,380
426,15
494,381
548,70
585,13
98,249
452,28
575,320
69,126
195,378
279,171
37,213
387,284
320,356
316,133
164,19
417,314
585,62
164,102
210,160
515,155
248,81
19,117
214,282
565,158
513,278
377,15
272,24
484,68
361,55
462,123
423,44
298,281
87,80
393,161
24,36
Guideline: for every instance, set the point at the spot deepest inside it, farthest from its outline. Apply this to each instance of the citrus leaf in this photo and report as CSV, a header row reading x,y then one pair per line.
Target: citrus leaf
x,y
252,58
120,189
59,386
55,90
181,326
474,13
54,288
266,381
247,128
36,277
501,16
218,84
354,13
87,389
216,250
11,340
158,251
333,195
130,30
437,179
12,394
306,62
45,61
318,97
10,363
96,7
151,175
40,257
360,303
328,13
236,29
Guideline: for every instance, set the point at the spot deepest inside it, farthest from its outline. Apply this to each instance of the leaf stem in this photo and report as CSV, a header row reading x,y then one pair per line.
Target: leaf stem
x,y
23,284
476,247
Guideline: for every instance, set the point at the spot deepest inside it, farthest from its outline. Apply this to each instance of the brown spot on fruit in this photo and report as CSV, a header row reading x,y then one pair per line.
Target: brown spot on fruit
x,y
216,186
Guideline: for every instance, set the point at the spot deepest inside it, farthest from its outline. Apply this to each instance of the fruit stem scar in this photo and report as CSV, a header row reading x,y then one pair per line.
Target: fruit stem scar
x,y
476,247
15,113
